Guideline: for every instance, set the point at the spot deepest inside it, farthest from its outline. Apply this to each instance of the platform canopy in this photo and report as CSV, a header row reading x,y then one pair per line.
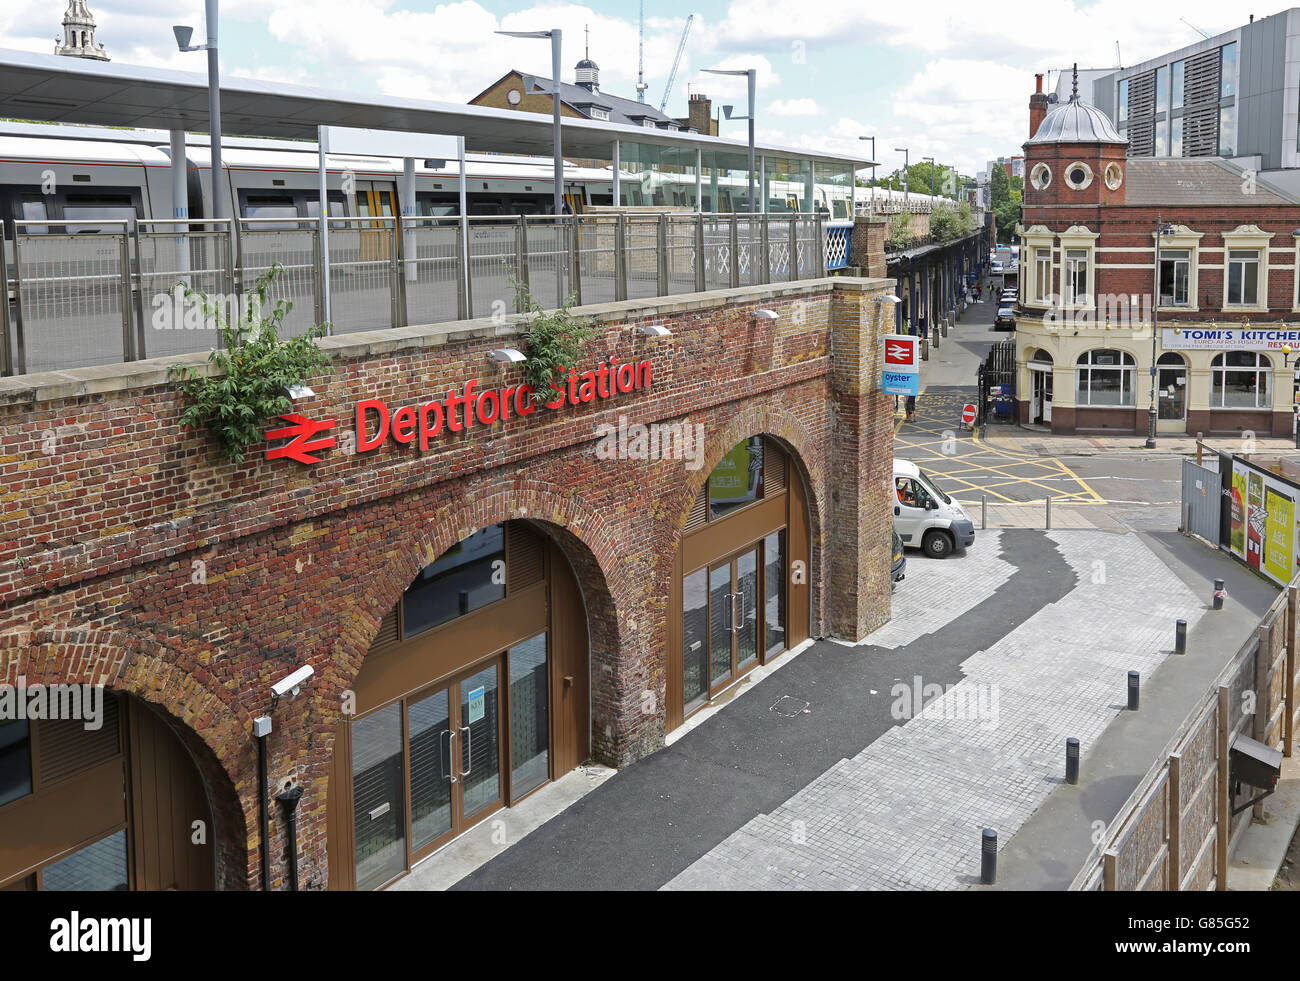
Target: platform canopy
x,y
50,88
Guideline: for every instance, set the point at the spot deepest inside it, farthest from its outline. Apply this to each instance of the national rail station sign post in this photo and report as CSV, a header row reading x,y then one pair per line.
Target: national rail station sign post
x,y
902,365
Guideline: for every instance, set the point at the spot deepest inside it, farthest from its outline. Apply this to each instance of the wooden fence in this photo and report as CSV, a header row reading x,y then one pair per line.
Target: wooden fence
x,y
1177,831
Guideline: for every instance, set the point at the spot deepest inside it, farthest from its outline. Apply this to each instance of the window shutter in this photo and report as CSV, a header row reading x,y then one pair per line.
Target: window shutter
x,y
773,469
699,515
67,747
523,556
387,630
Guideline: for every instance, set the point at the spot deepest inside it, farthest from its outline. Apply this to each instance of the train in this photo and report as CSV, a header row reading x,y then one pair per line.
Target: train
x,y
59,172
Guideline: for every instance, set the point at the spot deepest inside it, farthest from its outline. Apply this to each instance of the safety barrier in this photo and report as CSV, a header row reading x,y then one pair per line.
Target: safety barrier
x,y
83,293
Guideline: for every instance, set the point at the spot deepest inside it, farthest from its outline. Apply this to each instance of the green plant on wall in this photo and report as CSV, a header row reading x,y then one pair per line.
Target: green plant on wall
x,y
900,227
255,368
554,340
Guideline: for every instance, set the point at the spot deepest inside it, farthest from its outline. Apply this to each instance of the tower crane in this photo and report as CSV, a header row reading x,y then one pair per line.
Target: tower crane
x,y
672,76
640,57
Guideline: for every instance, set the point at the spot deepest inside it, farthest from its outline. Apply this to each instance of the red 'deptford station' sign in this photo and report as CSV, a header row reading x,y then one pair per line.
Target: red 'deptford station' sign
x,y
377,422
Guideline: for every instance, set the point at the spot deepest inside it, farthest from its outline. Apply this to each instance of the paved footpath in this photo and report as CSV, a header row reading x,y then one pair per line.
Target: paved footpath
x,y
1049,622
907,811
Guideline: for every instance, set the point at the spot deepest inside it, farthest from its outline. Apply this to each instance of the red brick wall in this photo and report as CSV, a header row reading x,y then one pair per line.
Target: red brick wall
x,y
202,582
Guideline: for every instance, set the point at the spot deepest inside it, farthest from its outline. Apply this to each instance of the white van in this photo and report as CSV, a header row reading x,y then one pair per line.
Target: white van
x,y
925,517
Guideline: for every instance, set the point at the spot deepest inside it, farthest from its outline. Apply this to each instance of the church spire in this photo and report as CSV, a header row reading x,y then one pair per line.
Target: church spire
x,y
79,34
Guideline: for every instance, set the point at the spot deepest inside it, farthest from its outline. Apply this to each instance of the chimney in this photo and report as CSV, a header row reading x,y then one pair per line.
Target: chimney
x,y
1037,106
700,114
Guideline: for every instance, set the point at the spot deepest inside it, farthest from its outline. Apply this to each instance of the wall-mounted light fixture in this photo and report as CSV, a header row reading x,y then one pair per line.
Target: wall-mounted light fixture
x,y
889,298
766,315
296,392
654,330
506,355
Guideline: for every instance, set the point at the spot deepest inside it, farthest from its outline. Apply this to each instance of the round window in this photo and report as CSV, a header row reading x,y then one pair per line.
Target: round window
x,y
1114,176
513,97
1078,175
1040,176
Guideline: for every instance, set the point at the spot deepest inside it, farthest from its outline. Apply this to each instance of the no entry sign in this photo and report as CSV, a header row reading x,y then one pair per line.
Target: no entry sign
x,y
968,415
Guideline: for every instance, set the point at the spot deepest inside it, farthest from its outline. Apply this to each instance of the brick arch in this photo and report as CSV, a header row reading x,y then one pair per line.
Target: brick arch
x,y
583,535
805,452
755,421
205,722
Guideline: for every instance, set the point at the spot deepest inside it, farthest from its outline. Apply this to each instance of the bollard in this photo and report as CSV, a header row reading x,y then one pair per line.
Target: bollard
x,y
988,857
1049,513
1133,680
1072,760
1219,593
984,512
1180,637
1187,520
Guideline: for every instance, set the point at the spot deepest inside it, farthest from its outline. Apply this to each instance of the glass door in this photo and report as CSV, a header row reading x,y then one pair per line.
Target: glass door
x,y
378,805
478,726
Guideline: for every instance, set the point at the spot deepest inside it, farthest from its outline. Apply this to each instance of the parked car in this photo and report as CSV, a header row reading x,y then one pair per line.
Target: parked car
x,y
898,567
927,518
1010,295
1006,318
996,268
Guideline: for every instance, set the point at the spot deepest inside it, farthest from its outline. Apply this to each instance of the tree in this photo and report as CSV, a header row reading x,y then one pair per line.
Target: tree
x,y
1005,199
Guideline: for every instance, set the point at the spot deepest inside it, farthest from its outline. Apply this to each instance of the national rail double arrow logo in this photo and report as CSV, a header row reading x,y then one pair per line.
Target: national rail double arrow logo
x,y
898,352
302,444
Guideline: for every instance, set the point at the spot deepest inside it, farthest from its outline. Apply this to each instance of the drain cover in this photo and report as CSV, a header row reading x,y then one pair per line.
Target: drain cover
x,y
788,706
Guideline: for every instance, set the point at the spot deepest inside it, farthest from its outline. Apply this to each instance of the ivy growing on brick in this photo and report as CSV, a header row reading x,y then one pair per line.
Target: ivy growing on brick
x,y
255,368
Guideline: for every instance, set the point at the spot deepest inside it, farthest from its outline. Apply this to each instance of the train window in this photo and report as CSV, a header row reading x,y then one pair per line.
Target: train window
x,y
841,208
35,211
99,210
438,205
309,205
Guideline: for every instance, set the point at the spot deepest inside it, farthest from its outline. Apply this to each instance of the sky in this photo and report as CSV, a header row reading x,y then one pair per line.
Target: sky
x,y
945,79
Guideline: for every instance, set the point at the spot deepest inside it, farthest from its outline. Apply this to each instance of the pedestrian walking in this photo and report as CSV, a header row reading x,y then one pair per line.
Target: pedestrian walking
x,y
911,408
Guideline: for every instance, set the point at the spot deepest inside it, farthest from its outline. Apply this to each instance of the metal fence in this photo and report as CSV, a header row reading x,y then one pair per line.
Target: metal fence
x,y
99,292
1201,504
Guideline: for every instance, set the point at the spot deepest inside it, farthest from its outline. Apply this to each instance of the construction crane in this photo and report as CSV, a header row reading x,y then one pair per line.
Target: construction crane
x,y
1194,27
672,75
640,58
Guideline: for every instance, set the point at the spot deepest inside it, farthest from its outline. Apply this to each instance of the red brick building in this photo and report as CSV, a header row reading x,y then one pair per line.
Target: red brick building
x,y
1228,295
486,598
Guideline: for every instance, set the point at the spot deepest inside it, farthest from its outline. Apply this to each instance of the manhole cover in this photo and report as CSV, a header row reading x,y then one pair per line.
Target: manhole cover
x,y
789,706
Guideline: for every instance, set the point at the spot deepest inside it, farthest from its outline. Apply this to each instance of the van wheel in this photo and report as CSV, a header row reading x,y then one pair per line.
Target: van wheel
x,y
937,545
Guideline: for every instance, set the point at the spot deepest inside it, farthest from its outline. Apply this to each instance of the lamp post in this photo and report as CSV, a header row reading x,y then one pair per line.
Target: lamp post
x,y
556,37
751,76
183,35
873,171
1161,231
903,151
934,188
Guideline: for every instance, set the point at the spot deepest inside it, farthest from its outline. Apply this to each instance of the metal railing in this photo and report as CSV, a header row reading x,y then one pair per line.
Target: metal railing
x,y
83,293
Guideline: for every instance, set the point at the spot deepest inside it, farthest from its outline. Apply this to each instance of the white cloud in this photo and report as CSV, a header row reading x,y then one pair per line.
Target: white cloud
x,y
795,107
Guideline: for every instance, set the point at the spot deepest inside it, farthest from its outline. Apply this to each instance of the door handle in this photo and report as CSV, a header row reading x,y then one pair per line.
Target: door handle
x,y
451,774
896,509
379,811
568,681
469,751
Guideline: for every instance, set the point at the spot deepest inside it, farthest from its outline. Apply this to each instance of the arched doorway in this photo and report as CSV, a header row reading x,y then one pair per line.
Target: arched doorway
x,y
1171,393
741,594
474,694
108,803
1040,389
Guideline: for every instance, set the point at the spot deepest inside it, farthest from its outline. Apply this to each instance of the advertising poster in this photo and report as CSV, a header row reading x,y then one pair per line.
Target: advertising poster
x,y
1277,531
1255,520
1237,539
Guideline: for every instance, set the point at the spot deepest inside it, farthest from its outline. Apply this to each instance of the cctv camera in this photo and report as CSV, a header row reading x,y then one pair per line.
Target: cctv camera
x,y
292,683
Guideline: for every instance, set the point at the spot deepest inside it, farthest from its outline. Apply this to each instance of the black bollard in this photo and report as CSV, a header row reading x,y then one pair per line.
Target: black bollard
x,y
1180,637
988,857
1072,760
1133,691
1218,594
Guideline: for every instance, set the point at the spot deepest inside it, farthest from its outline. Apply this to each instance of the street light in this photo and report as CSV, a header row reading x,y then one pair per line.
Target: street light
x,y
556,37
183,35
750,75
903,151
873,170
1162,229
934,188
